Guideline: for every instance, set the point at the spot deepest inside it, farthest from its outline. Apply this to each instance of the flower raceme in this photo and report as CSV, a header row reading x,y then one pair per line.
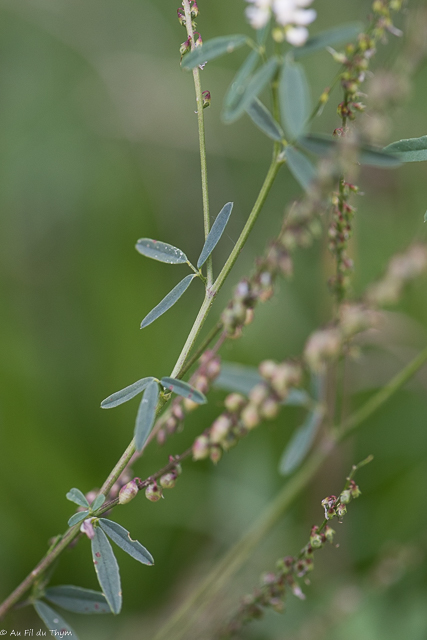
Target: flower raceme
x,y
292,15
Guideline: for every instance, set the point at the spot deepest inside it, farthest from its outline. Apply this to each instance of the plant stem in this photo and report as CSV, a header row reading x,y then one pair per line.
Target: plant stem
x,y
204,345
262,196
181,621
202,142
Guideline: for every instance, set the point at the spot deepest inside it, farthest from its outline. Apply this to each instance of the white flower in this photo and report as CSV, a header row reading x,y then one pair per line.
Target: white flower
x,y
290,14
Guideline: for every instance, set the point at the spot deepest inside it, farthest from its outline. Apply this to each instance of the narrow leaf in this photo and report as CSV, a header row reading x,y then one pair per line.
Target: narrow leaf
x,y
160,251
334,36
322,145
107,570
122,538
409,150
184,389
215,233
213,49
294,98
98,502
300,166
77,599
240,82
242,378
53,621
77,517
263,119
301,442
146,414
253,88
126,394
75,495
425,217
168,301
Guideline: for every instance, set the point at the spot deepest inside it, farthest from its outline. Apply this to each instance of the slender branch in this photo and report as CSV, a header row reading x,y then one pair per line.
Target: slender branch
x,y
204,345
262,196
182,620
202,141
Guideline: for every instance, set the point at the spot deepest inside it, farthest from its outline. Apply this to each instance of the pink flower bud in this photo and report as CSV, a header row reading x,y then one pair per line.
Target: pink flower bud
x,y
215,453
220,429
250,416
153,492
128,492
201,448
235,402
168,480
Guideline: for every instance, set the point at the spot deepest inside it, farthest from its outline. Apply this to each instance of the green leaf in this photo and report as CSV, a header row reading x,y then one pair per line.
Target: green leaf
x,y
371,156
300,442
241,378
54,622
126,394
343,33
122,538
77,517
75,495
294,98
215,233
146,414
253,88
263,119
160,251
98,502
239,84
107,570
184,389
77,599
168,301
425,217
409,150
300,166
212,49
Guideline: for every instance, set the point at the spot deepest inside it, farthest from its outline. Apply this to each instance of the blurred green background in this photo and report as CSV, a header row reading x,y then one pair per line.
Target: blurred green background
x,y
99,148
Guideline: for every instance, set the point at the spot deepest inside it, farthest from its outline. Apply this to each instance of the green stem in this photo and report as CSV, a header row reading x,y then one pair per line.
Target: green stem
x,y
182,620
202,141
206,342
262,196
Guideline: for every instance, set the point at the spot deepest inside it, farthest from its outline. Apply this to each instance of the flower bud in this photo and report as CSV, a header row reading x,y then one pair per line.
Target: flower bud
x,y
341,510
234,402
267,369
322,346
220,429
277,605
201,448
316,540
215,453
345,497
168,480
329,534
128,492
177,411
189,405
249,317
206,98
250,416
185,47
153,492
354,490
86,527
269,409
258,394
284,565
213,368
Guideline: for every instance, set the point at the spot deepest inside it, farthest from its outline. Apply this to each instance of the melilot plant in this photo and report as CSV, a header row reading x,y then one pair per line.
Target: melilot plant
x,y
272,89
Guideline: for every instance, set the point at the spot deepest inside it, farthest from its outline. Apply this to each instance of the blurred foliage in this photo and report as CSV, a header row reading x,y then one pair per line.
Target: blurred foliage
x,y
99,148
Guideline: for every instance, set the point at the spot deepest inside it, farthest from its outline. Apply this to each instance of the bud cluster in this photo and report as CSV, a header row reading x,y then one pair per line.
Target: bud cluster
x,y
272,591
244,414
401,270
154,486
340,231
327,344
172,419
186,46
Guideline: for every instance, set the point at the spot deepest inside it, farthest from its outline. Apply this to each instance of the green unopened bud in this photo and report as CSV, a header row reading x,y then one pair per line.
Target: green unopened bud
x,y
329,534
341,510
201,448
345,497
153,492
128,492
168,480
285,565
354,490
267,369
206,97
